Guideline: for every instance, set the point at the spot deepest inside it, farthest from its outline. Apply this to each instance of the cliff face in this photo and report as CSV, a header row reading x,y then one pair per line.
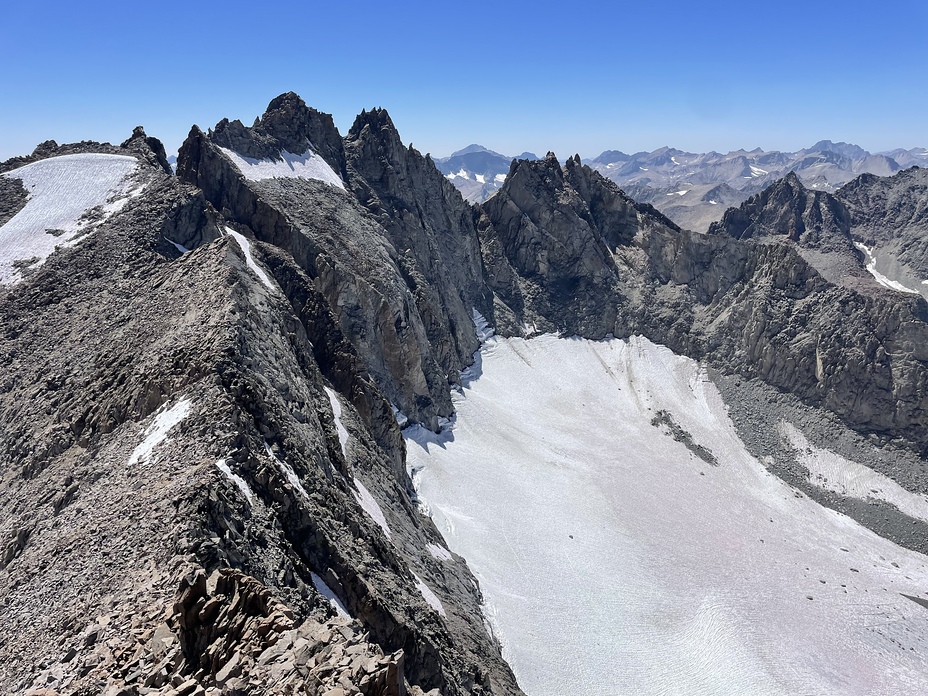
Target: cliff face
x,y
402,283
176,413
777,291
890,216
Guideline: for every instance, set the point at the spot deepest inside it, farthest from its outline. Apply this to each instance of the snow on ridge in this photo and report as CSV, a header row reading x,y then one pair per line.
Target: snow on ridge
x,y
880,278
326,591
401,418
308,165
288,472
245,246
430,597
586,524
439,552
157,432
370,505
237,480
337,412
61,189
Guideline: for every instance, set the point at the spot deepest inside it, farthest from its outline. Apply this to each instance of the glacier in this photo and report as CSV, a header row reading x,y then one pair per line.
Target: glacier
x,y
615,559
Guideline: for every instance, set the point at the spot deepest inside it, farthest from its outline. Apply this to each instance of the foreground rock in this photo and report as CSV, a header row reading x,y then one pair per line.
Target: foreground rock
x,y
169,410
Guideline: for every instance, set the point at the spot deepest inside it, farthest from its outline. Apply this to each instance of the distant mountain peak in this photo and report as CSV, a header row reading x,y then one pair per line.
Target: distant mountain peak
x,y
470,149
845,149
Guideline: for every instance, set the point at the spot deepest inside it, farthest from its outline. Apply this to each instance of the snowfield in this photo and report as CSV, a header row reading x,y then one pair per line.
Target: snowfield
x,y
61,189
627,543
309,165
880,278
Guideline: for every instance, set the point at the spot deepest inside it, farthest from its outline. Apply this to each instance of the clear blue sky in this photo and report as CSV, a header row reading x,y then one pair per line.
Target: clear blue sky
x,y
567,76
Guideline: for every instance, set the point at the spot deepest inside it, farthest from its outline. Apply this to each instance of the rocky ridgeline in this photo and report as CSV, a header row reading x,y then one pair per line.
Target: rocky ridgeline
x,y
761,297
225,634
123,329
174,419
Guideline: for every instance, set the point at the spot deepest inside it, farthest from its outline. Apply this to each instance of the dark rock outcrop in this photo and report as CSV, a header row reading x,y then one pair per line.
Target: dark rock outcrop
x,y
13,197
890,215
403,283
814,222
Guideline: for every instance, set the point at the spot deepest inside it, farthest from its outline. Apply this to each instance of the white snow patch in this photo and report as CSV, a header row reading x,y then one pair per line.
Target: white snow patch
x,y
401,418
180,247
461,174
337,412
757,171
586,525
439,552
500,178
430,597
288,472
483,328
679,193
237,480
833,472
644,169
309,165
327,592
880,278
245,245
157,432
371,507
481,179
714,202
674,160
61,189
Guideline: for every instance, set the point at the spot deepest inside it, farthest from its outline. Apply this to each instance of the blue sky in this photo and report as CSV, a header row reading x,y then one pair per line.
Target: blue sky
x,y
513,76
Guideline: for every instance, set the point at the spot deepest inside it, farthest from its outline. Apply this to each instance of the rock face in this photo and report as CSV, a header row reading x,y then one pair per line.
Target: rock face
x,y
548,239
815,223
203,476
403,284
767,306
890,215
171,409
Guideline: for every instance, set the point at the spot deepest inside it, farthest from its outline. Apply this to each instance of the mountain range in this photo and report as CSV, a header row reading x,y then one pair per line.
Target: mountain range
x,y
476,171
695,189
223,384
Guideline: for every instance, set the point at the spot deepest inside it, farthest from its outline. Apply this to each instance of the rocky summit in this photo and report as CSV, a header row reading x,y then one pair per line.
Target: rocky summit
x,y
204,377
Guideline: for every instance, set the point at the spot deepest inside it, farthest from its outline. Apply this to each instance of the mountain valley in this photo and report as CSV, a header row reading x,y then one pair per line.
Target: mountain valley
x,y
311,413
